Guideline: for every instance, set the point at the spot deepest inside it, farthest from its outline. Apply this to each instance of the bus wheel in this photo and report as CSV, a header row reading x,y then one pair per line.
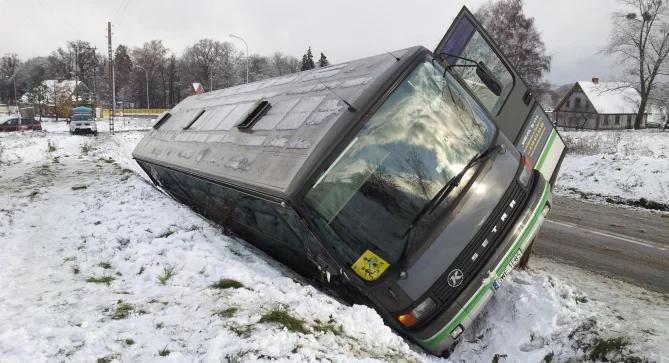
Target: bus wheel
x,y
525,260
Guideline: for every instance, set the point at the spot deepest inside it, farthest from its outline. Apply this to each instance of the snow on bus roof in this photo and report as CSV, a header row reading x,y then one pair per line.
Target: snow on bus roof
x,y
201,134
611,97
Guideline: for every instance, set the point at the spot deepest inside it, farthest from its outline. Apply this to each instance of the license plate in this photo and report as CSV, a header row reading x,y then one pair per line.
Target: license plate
x,y
514,261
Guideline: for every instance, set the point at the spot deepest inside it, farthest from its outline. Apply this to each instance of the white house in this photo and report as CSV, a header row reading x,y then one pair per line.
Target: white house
x,y
599,105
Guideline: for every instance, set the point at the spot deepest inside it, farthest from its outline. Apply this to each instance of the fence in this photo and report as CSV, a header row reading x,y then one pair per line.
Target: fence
x,y
134,112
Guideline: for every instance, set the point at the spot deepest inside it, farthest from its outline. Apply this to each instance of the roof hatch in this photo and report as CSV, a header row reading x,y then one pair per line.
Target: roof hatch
x,y
259,110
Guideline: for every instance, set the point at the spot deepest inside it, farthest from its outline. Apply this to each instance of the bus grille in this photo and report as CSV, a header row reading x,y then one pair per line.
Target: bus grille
x,y
482,246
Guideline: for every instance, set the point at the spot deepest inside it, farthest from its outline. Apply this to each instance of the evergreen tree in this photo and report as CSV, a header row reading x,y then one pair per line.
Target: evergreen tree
x,y
122,71
308,61
323,61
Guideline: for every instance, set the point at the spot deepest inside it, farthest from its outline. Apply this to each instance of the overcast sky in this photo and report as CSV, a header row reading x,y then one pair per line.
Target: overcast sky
x,y
574,30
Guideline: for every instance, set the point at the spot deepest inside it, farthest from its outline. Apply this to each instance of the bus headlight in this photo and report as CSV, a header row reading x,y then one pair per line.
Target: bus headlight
x,y
416,314
526,173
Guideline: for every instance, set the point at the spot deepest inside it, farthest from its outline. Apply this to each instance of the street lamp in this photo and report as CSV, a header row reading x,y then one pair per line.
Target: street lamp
x,y
247,54
147,85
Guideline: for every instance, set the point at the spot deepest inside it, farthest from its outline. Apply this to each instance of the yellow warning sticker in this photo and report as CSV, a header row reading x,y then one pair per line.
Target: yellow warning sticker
x,y
369,266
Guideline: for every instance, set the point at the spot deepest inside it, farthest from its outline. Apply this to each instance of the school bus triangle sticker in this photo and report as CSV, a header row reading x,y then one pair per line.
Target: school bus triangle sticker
x,y
370,266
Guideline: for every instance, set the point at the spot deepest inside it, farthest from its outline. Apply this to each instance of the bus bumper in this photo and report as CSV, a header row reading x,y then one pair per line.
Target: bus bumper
x,y
440,335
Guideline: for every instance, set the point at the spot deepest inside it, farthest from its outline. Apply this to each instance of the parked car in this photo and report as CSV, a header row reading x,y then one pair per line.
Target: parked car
x,y
413,181
10,123
30,123
82,121
18,123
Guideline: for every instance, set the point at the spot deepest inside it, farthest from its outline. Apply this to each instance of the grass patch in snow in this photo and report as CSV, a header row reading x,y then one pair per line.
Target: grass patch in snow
x,y
106,279
164,352
33,194
167,233
168,273
86,148
51,147
105,265
223,284
581,299
242,331
586,326
107,359
496,358
330,326
122,310
79,187
548,358
128,341
226,313
280,315
611,350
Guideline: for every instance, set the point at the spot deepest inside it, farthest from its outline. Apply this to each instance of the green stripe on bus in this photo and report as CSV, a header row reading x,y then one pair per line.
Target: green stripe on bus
x,y
546,150
480,293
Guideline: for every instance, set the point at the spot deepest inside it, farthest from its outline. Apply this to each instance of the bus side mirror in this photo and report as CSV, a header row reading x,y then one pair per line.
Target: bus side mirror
x,y
485,75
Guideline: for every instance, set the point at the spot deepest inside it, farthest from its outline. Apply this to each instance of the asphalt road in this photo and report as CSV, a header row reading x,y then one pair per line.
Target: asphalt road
x,y
624,243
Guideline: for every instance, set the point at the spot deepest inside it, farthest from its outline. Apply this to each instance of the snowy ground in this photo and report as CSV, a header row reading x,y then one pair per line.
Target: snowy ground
x,y
97,264
629,164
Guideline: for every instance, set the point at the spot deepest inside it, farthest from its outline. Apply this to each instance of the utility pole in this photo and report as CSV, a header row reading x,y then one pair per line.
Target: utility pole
x,y
95,93
113,80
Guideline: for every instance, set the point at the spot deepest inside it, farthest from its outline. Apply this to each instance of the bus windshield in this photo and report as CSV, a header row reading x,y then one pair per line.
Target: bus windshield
x,y
422,136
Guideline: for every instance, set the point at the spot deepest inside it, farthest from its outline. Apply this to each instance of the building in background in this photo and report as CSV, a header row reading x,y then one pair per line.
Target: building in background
x,y
56,98
197,88
598,105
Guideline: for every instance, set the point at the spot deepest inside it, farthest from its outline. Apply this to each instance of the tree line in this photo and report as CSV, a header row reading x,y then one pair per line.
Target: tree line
x,y
146,76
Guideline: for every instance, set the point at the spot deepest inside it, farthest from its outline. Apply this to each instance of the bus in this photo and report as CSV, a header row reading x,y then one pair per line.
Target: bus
x,y
412,181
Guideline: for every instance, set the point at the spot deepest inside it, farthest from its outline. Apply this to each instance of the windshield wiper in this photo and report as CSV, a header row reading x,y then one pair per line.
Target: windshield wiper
x,y
436,200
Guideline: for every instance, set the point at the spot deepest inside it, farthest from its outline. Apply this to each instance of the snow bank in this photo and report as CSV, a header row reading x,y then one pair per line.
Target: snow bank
x,y
630,164
96,263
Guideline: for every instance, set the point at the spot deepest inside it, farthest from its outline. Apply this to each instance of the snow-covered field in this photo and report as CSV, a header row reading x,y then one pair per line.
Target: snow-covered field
x,y
630,164
97,264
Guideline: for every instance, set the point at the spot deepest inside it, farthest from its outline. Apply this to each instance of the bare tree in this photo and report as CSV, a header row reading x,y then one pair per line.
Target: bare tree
x,y
640,38
150,61
259,67
284,64
202,61
518,39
